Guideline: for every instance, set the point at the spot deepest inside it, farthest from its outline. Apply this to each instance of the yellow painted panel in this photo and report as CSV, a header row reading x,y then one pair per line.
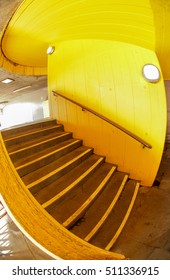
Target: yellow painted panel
x,y
107,77
101,47
161,13
36,24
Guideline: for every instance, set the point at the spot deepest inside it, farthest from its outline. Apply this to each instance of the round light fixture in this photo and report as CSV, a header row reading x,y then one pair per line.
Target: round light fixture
x,y
50,49
151,73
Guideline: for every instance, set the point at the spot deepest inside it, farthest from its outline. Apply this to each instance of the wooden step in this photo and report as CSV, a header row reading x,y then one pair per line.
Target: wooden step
x,y
124,220
97,210
86,195
20,141
48,157
81,210
71,188
112,227
107,212
21,129
79,190
76,176
47,174
37,146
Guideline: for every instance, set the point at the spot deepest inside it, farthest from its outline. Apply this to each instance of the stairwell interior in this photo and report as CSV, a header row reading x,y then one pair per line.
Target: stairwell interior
x,y
73,197
87,196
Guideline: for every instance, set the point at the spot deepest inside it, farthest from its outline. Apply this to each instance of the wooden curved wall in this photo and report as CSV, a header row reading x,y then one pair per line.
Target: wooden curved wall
x,y
101,47
36,24
107,77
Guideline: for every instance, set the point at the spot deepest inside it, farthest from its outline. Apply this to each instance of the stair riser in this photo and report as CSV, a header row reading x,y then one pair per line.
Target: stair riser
x,y
57,175
40,147
38,164
32,136
23,129
65,196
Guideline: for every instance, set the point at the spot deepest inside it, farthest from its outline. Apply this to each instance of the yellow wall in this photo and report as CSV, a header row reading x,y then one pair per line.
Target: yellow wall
x,y
36,24
101,47
107,77
161,16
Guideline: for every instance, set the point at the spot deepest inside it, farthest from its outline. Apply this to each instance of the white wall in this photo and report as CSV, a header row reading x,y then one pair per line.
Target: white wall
x,y
26,108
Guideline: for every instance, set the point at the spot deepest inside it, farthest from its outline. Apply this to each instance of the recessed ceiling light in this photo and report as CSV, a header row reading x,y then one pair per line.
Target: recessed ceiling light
x,y
7,81
50,49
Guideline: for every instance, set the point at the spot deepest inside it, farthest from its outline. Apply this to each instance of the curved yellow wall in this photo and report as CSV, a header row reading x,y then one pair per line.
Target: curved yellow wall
x,y
101,47
107,77
161,17
36,24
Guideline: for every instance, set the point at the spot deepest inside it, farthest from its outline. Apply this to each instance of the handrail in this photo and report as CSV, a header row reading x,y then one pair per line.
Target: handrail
x,y
129,133
35,222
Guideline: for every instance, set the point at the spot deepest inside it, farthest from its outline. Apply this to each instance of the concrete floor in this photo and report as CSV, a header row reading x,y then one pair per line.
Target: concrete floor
x,y
145,236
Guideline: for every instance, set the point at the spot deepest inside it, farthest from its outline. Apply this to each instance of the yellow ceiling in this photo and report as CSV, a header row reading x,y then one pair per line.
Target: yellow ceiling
x,y
37,24
161,12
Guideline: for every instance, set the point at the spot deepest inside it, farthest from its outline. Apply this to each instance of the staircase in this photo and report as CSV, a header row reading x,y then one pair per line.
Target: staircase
x,y
79,189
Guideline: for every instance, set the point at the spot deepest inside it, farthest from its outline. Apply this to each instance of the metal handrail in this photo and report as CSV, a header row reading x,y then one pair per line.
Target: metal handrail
x,y
129,133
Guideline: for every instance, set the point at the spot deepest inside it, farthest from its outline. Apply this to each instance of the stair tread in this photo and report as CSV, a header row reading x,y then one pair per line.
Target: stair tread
x,y
36,140
39,146
31,157
97,210
63,182
66,208
37,174
91,199
125,218
108,211
31,132
72,186
111,225
48,158
81,191
31,126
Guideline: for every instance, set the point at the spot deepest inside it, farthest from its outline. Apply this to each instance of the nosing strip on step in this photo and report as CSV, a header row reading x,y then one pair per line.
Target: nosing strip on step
x,y
33,132
71,186
40,143
58,169
47,155
118,232
108,211
84,206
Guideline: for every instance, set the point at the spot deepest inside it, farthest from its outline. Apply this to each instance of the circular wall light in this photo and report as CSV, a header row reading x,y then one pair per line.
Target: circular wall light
x,y
151,73
50,49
